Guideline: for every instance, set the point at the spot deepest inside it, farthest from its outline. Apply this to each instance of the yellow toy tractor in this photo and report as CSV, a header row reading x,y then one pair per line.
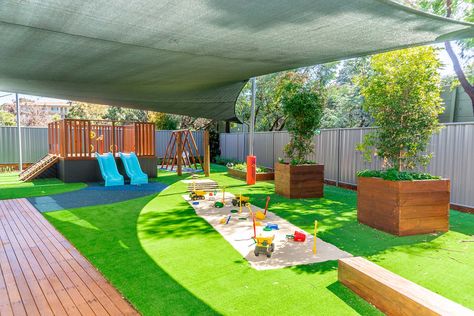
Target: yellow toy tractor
x,y
264,245
245,201
197,195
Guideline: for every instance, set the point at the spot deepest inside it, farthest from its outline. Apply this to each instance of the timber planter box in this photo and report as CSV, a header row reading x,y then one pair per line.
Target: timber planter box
x,y
302,181
263,176
404,207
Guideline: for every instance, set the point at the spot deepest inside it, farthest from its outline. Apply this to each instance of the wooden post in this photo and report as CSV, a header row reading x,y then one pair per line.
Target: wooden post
x,y
113,139
207,155
179,152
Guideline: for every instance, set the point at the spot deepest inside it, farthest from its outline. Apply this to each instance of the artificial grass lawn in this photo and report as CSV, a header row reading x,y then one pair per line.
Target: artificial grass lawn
x,y
11,187
166,260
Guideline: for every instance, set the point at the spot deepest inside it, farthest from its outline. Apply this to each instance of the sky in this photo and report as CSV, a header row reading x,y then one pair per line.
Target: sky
x,y
446,70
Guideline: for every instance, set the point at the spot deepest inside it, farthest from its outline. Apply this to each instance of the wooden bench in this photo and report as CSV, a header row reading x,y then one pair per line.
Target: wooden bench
x,y
393,294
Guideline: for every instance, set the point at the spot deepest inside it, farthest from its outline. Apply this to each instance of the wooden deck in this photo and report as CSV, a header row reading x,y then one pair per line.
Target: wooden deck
x,y
41,273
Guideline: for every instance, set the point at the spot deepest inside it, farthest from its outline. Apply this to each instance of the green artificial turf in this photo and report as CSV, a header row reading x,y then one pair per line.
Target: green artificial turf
x,y
166,260
11,187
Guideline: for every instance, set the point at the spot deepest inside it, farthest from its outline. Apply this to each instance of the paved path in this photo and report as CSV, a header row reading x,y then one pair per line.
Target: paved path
x,y
41,273
94,194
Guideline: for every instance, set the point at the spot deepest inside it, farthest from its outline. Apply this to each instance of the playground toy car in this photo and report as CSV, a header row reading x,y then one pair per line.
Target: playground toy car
x,y
197,195
264,245
245,201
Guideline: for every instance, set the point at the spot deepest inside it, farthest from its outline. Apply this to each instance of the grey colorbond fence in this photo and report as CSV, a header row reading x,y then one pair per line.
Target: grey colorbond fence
x,y
35,143
453,150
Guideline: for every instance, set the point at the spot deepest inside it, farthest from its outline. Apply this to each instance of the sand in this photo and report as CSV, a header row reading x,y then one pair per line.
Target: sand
x,y
239,233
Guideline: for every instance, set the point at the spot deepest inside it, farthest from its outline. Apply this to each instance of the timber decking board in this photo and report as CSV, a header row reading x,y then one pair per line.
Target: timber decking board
x,y
393,294
41,273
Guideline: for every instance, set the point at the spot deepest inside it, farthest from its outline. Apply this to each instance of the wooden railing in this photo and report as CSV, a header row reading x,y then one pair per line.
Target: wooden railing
x,y
81,139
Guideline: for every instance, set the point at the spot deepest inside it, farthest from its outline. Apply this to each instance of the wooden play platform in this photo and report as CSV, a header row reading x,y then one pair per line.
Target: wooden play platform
x,y
43,274
393,294
73,144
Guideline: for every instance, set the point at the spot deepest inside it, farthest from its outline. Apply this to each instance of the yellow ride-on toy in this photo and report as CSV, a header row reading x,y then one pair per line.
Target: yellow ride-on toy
x,y
264,245
245,201
197,195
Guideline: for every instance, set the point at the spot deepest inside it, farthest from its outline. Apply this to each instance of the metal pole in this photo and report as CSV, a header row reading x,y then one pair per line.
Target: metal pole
x,y
252,117
18,116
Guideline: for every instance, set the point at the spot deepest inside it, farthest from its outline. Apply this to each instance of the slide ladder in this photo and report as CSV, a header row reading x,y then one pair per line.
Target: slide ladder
x,y
133,169
108,169
39,167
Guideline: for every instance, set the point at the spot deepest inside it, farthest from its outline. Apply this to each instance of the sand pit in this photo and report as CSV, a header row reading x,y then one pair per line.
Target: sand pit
x,y
239,233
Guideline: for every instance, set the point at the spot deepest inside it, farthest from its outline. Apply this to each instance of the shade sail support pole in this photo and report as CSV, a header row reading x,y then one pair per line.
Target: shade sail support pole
x,y
18,125
252,117
251,159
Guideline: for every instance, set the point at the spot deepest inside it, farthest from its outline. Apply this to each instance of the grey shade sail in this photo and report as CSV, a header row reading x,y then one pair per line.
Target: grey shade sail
x,y
192,57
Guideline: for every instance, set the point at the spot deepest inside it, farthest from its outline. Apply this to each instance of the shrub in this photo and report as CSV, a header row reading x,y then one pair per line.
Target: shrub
x,y
303,107
395,175
402,94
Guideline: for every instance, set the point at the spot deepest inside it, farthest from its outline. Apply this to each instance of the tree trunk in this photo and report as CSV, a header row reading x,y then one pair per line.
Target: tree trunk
x,y
456,64
460,73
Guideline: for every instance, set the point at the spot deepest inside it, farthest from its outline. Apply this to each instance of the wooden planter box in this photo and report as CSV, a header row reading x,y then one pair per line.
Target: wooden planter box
x,y
404,207
265,176
303,181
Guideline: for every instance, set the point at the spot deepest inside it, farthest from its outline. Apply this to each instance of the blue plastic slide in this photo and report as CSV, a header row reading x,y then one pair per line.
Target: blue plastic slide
x,y
109,170
133,169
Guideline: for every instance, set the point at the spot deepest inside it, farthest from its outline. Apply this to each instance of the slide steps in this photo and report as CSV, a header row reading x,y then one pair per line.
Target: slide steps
x,y
38,168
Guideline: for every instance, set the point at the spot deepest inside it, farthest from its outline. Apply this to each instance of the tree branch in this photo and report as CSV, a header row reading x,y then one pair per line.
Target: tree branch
x,y
456,64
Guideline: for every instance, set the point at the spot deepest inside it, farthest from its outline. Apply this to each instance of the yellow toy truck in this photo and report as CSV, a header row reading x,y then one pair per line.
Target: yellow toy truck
x,y
264,245
245,201
197,195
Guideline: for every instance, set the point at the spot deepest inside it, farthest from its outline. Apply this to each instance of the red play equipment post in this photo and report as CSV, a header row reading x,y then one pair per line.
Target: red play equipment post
x,y
251,170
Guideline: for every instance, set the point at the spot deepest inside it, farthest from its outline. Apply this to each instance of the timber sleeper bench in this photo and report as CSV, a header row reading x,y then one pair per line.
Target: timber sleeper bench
x,y
393,294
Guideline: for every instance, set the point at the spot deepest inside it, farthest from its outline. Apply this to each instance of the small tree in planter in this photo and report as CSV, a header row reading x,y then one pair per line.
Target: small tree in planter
x,y
403,96
302,106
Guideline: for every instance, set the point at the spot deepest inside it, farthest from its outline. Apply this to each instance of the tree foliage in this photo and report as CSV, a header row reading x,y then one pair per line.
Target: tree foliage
x,y
302,106
343,107
7,119
163,121
403,96
86,111
115,113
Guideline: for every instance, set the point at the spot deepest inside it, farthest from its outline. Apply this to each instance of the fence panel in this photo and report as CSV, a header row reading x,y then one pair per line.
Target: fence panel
x,y
34,144
453,149
163,137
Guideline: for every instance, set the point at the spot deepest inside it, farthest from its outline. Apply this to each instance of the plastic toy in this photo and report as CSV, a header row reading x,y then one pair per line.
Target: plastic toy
x,y
234,211
240,203
211,197
272,226
266,205
195,203
259,215
197,195
237,200
225,220
264,245
219,204
315,231
223,196
299,237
